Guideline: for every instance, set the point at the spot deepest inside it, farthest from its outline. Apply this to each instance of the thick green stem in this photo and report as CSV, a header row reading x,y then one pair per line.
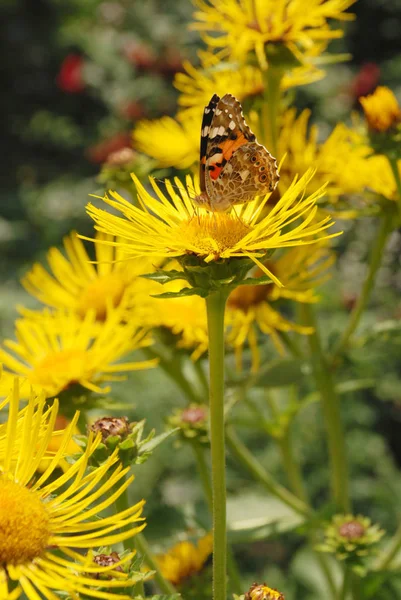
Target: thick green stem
x,y
139,542
331,414
215,304
250,463
386,558
385,228
271,105
397,179
233,571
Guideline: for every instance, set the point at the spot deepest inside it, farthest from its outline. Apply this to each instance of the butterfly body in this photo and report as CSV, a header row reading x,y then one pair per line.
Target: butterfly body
x,y
234,167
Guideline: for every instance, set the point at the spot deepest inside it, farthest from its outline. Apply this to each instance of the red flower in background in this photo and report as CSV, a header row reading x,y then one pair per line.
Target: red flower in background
x,y
365,81
70,77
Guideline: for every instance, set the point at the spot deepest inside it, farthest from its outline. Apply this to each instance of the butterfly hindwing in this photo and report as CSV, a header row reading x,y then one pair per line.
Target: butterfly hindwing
x,y
234,167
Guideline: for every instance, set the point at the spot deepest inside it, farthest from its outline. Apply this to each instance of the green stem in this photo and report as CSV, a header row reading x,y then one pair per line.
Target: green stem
x,y
139,542
202,377
397,179
331,414
374,264
386,558
291,467
273,79
356,587
291,344
233,571
346,584
246,458
215,305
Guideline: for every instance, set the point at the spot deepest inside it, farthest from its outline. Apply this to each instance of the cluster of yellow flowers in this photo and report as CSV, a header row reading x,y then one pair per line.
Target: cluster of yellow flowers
x,y
98,311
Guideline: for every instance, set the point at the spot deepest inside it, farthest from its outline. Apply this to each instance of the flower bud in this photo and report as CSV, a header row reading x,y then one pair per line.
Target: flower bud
x,y
381,109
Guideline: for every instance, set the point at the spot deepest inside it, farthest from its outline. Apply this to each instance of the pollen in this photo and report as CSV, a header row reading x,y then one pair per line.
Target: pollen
x,y
64,365
96,295
24,524
213,234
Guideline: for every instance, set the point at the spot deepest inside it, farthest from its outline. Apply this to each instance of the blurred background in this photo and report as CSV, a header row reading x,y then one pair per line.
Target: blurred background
x,y
76,77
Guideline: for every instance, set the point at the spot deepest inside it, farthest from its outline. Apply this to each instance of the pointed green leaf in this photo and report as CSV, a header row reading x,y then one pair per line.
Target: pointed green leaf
x,y
164,276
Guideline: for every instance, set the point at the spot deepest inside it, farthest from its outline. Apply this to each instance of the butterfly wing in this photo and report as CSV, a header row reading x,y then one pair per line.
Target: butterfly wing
x,y
237,168
207,119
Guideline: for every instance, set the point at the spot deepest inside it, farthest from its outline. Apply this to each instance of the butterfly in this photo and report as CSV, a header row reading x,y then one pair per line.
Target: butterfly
x,y
234,167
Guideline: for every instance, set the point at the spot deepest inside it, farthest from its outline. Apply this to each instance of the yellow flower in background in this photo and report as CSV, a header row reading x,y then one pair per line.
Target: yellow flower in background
x,y
171,226
301,270
381,109
249,312
197,85
44,525
344,159
56,350
245,26
171,142
383,182
76,284
215,76
185,559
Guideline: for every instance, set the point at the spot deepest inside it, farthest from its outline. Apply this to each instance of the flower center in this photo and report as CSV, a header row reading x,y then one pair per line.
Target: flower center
x,y
352,530
63,367
214,233
24,524
104,289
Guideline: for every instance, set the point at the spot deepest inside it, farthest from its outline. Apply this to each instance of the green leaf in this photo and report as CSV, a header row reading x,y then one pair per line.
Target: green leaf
x,y
184,292
282,373
156,441
252,517
263,280
164,276
341,388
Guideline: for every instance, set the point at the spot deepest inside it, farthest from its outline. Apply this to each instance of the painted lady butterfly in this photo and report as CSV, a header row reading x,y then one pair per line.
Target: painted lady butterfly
x,y
234,168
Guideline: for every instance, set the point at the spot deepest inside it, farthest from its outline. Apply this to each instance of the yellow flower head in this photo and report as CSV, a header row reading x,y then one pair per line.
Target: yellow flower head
x,y
185,559
56,350
381,109
249,312
45,520
171,226
197,85
244,26
263,592
343,159
76,284
171,142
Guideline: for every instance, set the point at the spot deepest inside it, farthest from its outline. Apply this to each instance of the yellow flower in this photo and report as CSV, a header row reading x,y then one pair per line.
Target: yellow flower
x,y
45,520
300,270
60,425
247,312
244,26
342,159
383,182
198,84
79,286
381,109
263,592
184,317
171,142
185,559
172,226
56,350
